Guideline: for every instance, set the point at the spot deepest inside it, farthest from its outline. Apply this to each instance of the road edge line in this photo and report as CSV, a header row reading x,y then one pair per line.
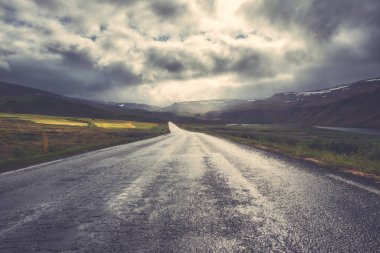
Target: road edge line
x,y
352,183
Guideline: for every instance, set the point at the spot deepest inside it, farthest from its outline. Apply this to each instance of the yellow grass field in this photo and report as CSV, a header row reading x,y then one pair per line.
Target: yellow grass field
x,y
114,124
78,122
31,139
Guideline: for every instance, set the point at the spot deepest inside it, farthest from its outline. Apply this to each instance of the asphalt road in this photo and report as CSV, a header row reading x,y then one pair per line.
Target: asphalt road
x,y
185,192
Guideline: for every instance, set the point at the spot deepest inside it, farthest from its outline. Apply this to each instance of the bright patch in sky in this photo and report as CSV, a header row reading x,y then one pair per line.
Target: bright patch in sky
x,y
164,51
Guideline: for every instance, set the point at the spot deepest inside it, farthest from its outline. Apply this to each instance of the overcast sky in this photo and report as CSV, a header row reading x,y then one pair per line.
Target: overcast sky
x,y
161,51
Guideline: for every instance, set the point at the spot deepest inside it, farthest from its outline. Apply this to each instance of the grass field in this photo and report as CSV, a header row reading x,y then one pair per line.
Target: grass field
x,y
21,137
73,121
336,149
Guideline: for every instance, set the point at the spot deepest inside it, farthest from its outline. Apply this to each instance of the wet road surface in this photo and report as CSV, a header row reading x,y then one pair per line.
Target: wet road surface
x,y
185,192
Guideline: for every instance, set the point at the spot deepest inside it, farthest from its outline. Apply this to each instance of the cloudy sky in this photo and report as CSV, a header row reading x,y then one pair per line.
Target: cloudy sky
x,y
161,51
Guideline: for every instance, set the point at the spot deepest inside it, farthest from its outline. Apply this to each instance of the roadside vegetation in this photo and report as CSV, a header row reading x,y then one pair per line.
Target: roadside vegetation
x,y
350,151
30,139
73,121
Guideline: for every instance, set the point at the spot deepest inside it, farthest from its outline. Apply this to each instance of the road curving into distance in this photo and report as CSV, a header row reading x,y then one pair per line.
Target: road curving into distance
x,y
185,192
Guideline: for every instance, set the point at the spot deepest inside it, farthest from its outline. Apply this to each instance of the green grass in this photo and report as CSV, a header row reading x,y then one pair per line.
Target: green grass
x,y
336,149
21,137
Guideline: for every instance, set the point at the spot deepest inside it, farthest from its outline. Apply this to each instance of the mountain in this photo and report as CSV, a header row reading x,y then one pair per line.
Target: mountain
x,y
121,107
197,108
136,106
126,105
20,99
349,105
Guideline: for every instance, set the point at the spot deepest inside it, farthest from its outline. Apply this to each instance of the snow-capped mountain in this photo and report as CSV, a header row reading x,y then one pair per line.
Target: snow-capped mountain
x,y
351,105
356,104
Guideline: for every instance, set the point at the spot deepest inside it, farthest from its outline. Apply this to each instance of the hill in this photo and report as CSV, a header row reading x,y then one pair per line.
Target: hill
x,y
20,99
350,105
197,108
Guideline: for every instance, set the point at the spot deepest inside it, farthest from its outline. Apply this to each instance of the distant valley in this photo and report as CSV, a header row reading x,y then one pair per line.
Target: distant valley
x,y
349,105
199,108
20,99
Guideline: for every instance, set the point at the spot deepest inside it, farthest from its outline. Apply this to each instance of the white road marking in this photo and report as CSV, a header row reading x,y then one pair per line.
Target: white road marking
x,y
30,167
39,210
370,189
78,156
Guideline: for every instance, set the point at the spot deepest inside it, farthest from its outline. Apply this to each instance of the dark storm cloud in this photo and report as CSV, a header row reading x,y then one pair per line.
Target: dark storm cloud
x,y
371,45
297,57
71,78
247,62
260,46
321,18
48,4
10,15
175,63
251,63
345,63
72,56
325,18
168,9
121,74
118,2
181,64
47,75
319,23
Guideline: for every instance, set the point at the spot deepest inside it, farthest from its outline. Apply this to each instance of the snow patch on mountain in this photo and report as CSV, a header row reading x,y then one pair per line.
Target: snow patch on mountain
x,y
373,80
320,92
